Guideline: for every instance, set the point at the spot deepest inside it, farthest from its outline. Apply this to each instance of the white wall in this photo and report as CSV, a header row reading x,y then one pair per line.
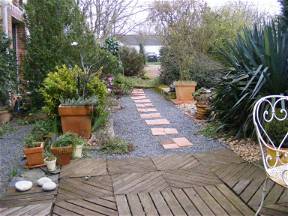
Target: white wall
x,y
147,49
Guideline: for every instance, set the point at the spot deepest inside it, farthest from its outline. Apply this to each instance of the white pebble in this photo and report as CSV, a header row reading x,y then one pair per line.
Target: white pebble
x,y
23,185
49,186
43,180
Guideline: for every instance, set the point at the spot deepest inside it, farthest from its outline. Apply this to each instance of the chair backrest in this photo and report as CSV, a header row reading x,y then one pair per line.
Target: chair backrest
x,y
266,110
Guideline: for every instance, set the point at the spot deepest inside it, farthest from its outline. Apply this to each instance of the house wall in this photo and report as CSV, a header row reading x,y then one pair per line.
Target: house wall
x,y
147,49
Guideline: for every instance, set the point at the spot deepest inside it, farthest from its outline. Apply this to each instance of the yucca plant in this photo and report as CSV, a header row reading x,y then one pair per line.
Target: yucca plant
x,y
258,67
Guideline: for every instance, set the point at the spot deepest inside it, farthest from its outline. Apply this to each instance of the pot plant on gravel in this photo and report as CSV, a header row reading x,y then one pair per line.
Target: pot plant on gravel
x,y
203,98
50,162
77,89
33,151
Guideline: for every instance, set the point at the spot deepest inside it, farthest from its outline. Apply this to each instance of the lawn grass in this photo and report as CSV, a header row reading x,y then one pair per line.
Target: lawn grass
x,y
138,82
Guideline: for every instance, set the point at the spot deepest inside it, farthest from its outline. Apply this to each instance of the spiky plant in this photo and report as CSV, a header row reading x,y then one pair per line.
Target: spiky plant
x,y
258,67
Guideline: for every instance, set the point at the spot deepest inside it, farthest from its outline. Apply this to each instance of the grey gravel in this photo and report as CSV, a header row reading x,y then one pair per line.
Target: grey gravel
x,y
129,126
11,153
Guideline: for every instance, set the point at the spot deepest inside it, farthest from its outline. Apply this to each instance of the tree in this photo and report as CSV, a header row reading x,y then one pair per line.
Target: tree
x,y
109,17
284,13
53,25
142,51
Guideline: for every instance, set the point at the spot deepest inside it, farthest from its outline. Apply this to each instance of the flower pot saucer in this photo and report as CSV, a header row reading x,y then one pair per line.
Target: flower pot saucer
x,y
34,166
55,172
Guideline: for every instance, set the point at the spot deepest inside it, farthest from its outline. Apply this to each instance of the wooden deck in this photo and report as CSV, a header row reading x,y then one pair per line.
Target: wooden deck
x,y
216,183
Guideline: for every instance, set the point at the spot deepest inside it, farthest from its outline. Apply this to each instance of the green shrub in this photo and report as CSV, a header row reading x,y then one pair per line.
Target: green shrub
x,y
62,84
259,67
8,69
116,146
122,85
68,139
132,61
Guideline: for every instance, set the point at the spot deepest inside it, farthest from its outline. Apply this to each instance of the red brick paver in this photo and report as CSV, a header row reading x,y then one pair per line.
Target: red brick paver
x,y
144,105
139,97
142,101
147,110
182,142
157,122
150,115
163,131
169,144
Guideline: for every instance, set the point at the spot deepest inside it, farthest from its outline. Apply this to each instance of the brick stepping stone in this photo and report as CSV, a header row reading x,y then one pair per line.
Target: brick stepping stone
x,y
144,105
157,122
163,131
139,97
182,141
147,110
169,144
142,101
150,115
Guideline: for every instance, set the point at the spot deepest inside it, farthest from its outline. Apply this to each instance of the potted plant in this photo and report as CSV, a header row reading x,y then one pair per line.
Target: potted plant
x,y
62,148
184,87
277,130
50,161
33,151
78,144
203,99
76,115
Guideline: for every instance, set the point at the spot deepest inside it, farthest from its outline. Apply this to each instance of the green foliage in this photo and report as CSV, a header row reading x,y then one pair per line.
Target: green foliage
x,y
5,128
122,84
63,84
210,130
258,62
115,146
79,101
31,141
100,121
112,45
8,69
132,61
68,139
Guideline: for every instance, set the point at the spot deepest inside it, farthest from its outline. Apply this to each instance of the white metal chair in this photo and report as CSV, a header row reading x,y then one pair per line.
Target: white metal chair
x,y
275,158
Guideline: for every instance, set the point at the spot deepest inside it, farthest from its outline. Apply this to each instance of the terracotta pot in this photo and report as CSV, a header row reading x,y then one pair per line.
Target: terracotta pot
x,y
203,111
63,154
76,119
5,116
34,156
184,90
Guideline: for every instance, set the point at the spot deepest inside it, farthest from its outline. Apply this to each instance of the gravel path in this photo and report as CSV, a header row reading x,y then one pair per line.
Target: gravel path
x,y
11,153
129,126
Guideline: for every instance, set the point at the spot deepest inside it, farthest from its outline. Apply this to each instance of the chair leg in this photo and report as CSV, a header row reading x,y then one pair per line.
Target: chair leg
x,y
264,191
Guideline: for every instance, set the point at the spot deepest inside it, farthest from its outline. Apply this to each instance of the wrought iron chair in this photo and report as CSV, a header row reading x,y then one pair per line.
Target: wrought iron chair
x,y
275,158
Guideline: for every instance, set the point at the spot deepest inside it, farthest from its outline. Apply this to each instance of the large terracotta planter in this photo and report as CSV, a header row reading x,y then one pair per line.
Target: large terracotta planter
x,y
63,154
5,116
203,111
184,90
76,119
34,156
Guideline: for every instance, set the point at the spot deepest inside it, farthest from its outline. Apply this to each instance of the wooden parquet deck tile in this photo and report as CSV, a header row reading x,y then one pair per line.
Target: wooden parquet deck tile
x,y
34,196
188,178
197,200
138,182
84,167
130,166
75,188
87,206
175,162
42,209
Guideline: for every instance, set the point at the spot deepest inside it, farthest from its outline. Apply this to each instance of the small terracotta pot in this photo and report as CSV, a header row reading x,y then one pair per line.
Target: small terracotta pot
x,y
184,90
5,116
76,119
63,154
34,156
202,111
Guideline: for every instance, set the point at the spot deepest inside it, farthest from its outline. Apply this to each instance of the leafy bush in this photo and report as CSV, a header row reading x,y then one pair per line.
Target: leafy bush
x,y
68,139
205,71
122,85
116,146
63,84
259,67
132,61
8,69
